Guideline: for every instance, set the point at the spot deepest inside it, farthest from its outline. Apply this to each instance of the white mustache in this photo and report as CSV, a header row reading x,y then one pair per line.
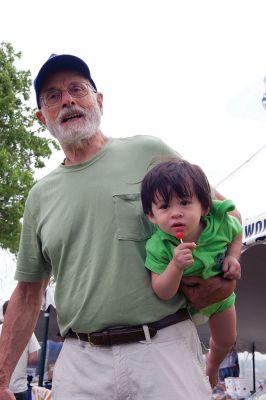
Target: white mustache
x,y
71,110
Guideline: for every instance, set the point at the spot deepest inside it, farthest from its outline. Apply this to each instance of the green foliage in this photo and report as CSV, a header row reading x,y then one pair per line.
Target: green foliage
x,y
22,146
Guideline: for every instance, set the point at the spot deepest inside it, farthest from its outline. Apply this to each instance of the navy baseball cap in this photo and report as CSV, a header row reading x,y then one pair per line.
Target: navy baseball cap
x,y
56,62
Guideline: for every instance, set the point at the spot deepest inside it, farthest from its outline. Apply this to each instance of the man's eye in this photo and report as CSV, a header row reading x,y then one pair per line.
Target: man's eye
x,y
52,95
75,89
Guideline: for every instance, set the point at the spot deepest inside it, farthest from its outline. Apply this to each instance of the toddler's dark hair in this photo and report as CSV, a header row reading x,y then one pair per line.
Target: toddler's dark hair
x,y
175,177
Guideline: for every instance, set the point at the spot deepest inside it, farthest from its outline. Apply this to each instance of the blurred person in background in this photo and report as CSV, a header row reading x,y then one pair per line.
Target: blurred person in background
x,y
230,365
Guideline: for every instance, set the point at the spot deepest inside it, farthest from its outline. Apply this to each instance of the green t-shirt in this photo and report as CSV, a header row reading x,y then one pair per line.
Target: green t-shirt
x,y
219,231
84,225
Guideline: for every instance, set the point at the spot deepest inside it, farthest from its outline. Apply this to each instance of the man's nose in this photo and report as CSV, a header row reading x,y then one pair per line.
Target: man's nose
x,y
67,98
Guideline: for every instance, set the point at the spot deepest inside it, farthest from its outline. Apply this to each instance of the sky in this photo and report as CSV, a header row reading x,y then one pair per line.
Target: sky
x,y
191,72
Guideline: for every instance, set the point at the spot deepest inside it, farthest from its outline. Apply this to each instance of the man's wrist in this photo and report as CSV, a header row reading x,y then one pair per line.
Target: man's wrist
x,y
4,381
3,386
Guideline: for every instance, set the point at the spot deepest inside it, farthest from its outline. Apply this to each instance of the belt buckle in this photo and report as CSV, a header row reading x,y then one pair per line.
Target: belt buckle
x,y
89,340
89,335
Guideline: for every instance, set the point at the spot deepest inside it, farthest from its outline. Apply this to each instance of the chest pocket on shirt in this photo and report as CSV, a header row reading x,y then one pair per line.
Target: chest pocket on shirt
x,y
131,223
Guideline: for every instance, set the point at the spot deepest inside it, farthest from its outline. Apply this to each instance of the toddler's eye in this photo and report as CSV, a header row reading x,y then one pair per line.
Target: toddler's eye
x,y
163,206
184,202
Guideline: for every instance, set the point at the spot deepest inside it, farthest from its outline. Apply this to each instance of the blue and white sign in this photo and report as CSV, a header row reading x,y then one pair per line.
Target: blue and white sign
x,y
263,101
254,229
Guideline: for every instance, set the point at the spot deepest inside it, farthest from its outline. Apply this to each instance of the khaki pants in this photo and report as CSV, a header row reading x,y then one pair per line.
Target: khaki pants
x,y
168,366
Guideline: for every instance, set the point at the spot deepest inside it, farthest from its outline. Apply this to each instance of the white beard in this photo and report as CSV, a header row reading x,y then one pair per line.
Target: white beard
x,y
83,128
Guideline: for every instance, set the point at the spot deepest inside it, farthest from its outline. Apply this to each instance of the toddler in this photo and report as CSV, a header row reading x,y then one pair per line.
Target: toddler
x,y
194,236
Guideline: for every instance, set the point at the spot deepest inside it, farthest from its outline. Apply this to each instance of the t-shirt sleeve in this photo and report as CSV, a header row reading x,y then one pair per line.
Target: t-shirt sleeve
x,y
167,151
156,256
222,208
31,264
235,226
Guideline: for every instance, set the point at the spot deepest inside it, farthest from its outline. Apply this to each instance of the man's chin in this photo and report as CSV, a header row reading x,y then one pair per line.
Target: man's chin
x,y
75,138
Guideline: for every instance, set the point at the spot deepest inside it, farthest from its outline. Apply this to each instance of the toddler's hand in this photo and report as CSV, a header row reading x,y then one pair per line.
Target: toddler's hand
x,y
182,255
231,268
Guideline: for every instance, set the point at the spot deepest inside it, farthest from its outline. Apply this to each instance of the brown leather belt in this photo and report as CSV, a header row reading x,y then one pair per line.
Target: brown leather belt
x,y
128,334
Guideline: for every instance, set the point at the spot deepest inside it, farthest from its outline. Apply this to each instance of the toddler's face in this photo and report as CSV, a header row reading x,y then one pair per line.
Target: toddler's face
x,y
178,214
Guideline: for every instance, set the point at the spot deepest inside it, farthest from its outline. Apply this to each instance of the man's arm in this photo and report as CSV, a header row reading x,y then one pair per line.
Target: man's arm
x,y
20,320
201,292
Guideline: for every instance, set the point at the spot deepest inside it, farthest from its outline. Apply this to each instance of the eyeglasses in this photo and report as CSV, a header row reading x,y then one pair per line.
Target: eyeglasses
x,y
75,89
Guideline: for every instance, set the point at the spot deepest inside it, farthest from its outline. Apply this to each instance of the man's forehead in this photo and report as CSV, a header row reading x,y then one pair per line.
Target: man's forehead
x,y
61,78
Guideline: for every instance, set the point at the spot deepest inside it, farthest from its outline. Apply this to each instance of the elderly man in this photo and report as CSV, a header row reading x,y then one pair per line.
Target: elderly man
x,y
84,225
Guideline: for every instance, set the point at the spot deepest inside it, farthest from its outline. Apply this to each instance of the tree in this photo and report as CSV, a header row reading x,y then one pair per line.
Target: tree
x,y
23,147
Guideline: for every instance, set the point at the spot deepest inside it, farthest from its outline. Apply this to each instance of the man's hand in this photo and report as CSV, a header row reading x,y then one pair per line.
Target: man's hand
x,y
5,394
201,293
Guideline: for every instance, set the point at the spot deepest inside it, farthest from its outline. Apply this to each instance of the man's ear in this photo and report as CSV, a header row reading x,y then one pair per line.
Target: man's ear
x,y
40,117
100,101
151,218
